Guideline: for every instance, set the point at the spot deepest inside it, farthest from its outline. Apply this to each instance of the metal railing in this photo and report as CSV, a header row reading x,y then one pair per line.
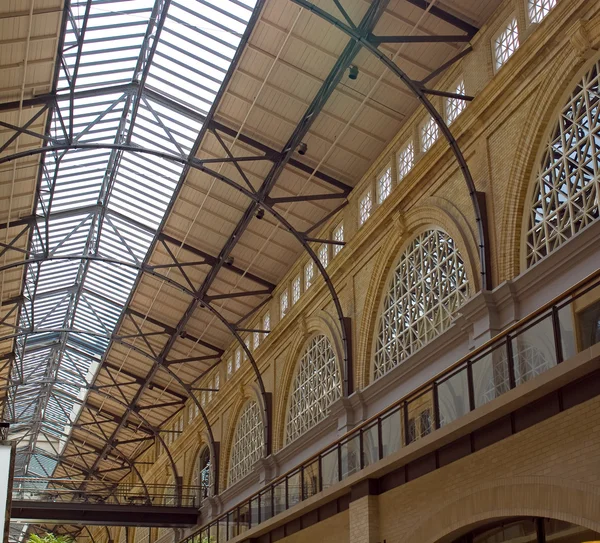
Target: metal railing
x,y
536,343
90,491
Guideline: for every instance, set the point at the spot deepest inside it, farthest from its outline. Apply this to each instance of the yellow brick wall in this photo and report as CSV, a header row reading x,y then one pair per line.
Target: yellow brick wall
x,y
549,470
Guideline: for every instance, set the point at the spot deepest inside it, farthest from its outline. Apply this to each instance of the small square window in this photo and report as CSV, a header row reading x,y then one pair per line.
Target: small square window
x,y
538,9
230,366
238,359
266,323
454,106
256,340
365,208
338,235
384,185
324,255
406,160
506,43
429,134
309,274
295,290
283,304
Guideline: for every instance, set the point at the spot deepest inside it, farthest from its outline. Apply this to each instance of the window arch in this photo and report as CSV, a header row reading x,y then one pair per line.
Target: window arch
x,y
428,284
248,441
566,192
202,474
316,385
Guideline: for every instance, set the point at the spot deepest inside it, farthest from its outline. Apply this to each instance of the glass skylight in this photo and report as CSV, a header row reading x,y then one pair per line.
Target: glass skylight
x,y
130,74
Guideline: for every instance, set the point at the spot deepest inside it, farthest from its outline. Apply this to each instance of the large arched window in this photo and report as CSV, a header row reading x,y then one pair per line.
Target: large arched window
x,y
201,477
247,445
427,286
566,193
316,385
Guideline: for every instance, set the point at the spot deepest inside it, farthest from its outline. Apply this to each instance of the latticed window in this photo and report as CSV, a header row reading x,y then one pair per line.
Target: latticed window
x,y
209,385
567,188
217,382
429,134
266,323
295,290
538,9
406,160
506,43
256,340
384,185
324,255
230,366
248,347
309,274
238,359
284,304
201,478
316,386
247,445
338,235
365,208
428,285
454,106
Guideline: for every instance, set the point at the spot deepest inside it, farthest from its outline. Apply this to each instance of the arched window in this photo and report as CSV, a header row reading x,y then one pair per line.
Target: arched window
x,y
247,445
427,286
316,385
201,478
566,193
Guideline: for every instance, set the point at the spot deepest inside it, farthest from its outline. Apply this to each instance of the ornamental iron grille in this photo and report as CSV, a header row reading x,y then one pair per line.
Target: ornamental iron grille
x,y
316,385
201,478
538,9
566,191
506,43
247,445
428,285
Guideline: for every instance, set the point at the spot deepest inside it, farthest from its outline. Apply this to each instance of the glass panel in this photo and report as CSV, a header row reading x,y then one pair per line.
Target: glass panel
x,y
254,507
243,517
350,456
279,497
567,331
520,530
329,466
311,479
213,529
222,529
232,530
294,487
533,351
391,432
490,375
589,325
371,444
453,397
565,532
420,416
266,506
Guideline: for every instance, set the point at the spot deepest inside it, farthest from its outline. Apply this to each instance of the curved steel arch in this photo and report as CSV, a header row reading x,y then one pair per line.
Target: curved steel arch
x,y
259,200
369,42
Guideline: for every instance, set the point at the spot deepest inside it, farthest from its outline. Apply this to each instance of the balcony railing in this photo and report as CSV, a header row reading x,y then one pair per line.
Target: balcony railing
x,y
543,339
74,491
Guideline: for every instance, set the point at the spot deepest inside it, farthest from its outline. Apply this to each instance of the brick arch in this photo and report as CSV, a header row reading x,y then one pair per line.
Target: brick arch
x,y
548,497
320,324
570,63
245,394
401,232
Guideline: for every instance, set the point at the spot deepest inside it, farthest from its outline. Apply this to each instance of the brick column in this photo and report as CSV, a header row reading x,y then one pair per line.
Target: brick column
x,y
364,513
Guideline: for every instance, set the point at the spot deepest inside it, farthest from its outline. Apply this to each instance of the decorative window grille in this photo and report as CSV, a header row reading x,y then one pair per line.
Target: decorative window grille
x,y
338,235
295,289
324,255
309,274
238,359
217,382
230,366
284,304
406,160
455,106
247,445
142,535
266,324
316,385
123,535
428,285
210,386
506,43
538,9
365,208
248,346
566,194
191,411
384,185
201,478
203,398
429,134
256,340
